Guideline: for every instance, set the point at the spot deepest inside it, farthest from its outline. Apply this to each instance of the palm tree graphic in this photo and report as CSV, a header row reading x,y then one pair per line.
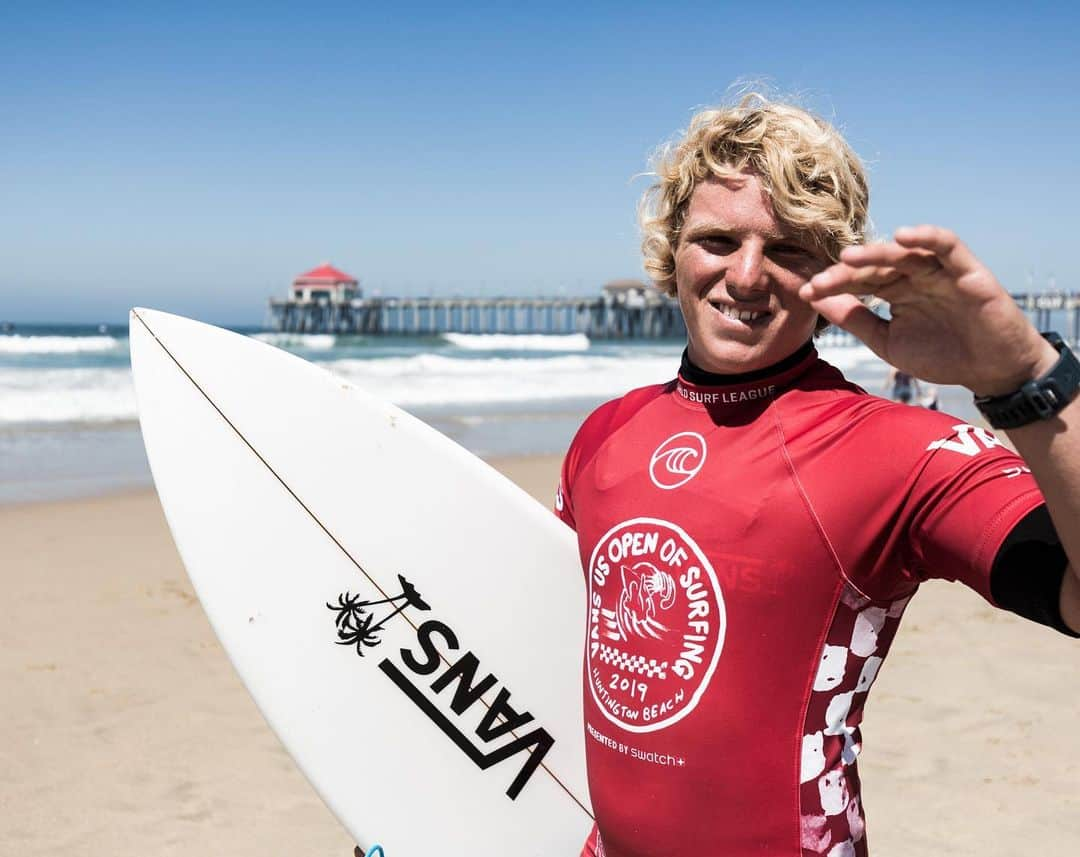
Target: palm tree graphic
x,y
353,621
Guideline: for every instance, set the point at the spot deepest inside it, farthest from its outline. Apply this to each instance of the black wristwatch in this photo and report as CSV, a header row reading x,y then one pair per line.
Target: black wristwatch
x,y
1037,400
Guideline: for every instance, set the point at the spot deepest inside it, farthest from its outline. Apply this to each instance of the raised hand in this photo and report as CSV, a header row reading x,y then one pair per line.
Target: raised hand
x,y
952,322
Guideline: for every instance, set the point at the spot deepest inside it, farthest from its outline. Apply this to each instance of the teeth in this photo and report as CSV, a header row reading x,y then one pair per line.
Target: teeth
x,y
739,315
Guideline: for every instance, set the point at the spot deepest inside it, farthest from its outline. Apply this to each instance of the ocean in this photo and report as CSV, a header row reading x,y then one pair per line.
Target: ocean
x,y
68,420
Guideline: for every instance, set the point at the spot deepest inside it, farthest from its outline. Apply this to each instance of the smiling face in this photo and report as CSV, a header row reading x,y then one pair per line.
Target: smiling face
x,y
737,273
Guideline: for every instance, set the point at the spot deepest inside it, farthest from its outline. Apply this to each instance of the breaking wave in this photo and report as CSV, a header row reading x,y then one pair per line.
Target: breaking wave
x,y
518,342
18,344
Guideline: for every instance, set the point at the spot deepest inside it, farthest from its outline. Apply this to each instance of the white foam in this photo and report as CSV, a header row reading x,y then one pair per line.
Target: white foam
x,y
66,395
518,342
306,341
18,344
431,379
105,393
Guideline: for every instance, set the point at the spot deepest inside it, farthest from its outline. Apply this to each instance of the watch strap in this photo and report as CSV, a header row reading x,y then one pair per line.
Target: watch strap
x,y
1039,399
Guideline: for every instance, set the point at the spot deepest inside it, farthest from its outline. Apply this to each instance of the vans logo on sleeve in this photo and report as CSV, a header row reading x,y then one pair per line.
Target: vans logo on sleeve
x,y
677,460
969,440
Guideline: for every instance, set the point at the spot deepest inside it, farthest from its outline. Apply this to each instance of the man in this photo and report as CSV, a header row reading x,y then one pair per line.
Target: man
x,y
902,387
752,531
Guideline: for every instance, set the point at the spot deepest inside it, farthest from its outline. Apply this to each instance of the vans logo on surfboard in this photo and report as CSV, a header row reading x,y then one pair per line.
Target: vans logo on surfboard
x,y
357,626
354,619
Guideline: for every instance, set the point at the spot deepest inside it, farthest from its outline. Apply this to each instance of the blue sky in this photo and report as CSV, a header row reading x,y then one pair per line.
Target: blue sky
x,y
195,157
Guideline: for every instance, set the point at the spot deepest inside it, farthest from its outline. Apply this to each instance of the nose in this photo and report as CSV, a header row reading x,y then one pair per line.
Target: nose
x,y
745,272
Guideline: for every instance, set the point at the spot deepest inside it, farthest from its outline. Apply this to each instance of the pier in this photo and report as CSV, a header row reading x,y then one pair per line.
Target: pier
x,y
624,309
597,318
326,300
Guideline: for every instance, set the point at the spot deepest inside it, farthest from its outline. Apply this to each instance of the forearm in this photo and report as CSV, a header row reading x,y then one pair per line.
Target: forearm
x,y
1051,448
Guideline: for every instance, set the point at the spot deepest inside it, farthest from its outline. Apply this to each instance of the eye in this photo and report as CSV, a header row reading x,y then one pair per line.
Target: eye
x,y
721,244
789,250
792,255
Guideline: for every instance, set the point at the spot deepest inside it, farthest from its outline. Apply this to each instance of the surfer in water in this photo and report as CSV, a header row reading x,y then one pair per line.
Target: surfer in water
x,y
789,515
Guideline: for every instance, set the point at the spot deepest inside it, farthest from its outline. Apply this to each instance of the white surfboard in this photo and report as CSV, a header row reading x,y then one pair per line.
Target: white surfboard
x,y
409,622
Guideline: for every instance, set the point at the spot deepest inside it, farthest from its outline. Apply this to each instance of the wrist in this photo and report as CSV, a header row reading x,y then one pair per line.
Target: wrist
x,y
1044,357
1039,398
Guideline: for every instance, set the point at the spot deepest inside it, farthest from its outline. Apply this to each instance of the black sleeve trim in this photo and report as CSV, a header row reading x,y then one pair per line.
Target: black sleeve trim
x,y
1028,570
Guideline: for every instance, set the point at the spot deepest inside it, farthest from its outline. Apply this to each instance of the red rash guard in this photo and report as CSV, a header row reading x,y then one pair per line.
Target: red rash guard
x,y
749,550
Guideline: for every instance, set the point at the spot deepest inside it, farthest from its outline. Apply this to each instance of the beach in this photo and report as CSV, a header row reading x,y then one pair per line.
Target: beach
x,y
128,733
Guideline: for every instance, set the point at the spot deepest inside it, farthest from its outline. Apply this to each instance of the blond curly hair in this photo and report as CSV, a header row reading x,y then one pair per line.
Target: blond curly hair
x,y
815,181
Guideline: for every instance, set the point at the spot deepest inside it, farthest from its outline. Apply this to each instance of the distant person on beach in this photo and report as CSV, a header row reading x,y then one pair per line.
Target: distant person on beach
x,y
752,530
902,386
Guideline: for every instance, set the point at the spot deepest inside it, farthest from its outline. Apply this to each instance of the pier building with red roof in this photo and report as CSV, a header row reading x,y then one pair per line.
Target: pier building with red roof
x,y
325,283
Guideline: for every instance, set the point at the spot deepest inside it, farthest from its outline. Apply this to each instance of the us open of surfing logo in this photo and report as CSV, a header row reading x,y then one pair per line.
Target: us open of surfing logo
x,y
408,669
677,460
656,624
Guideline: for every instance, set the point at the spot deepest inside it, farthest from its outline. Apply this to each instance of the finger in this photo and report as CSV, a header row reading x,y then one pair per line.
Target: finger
x,y
913,262
847,312
845,279
953,253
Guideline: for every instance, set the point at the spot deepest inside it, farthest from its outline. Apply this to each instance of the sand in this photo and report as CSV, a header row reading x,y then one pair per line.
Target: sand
x,y
126,732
